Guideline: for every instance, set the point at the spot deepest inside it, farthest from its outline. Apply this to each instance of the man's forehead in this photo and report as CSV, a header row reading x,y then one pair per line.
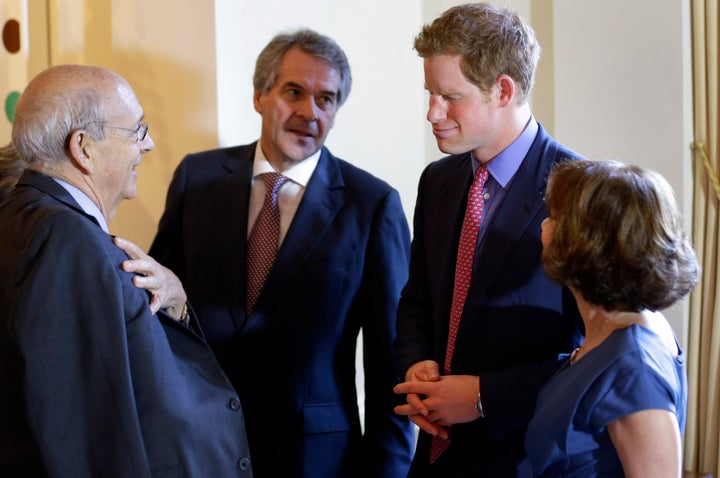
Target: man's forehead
x,y
308,71
127,101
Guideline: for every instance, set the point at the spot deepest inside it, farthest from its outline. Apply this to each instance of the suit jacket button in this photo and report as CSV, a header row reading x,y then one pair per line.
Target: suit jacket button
x,y
244,464
234,404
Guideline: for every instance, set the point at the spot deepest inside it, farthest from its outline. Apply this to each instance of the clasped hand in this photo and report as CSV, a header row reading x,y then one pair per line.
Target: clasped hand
x,y
434,401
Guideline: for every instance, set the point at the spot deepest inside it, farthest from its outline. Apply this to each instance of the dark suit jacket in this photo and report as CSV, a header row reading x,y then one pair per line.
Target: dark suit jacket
x,y
340,268
514,321
92,384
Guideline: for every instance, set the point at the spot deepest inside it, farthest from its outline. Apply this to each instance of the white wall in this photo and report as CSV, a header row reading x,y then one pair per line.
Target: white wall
x,y
623,90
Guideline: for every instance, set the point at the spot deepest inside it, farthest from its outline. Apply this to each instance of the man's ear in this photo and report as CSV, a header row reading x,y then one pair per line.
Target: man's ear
x,y
506,90
257,94
80,148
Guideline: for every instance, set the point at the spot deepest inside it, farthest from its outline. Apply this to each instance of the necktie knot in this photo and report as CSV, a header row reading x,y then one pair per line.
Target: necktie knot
x,y
481,175
273,183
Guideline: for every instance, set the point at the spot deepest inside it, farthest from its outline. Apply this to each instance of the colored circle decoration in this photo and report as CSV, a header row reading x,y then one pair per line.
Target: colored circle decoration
x,y
10,103
11,36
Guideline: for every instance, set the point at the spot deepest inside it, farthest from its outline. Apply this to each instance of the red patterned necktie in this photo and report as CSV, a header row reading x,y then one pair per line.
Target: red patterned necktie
x,y
463,273
264,239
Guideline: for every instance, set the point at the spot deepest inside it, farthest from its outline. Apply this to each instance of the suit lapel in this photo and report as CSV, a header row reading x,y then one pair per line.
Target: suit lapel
x,y
453,198
231,204
510,223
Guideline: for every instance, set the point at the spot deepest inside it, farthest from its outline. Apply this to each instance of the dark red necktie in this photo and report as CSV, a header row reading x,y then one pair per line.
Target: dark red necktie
x,y
264,239
463,274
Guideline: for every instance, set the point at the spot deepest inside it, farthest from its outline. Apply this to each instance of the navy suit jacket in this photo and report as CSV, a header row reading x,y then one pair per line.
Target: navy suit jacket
x,y
92,383
515,320
340,268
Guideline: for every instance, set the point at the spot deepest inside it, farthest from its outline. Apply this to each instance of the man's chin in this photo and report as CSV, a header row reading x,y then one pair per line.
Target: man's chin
x,y
301,152
130,193
449,147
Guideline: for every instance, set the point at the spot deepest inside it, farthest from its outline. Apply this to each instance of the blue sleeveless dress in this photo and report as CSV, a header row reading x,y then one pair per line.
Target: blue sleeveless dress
x,y
630,371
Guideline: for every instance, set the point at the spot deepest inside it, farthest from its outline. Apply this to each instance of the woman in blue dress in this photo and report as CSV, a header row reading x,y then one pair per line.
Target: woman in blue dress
x,y
616,406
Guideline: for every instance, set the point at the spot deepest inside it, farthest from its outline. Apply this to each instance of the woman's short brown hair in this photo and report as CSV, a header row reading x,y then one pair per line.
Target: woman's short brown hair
x,y
618,237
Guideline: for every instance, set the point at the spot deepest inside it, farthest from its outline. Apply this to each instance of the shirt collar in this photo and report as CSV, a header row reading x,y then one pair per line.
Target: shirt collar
x,y
299,173
85,203
504,166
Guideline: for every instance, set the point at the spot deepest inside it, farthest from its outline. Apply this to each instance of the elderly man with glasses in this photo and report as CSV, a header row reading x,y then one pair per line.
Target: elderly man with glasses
x,y
95,383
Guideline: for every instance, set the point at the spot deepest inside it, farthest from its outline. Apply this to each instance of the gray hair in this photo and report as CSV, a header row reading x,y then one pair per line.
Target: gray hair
x,y
320,46
56,103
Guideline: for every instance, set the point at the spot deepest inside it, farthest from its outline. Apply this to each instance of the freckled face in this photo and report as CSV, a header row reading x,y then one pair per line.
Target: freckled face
x,y
299,110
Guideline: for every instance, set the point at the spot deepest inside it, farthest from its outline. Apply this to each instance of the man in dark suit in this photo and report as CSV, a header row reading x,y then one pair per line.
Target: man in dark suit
x,y
479,323
93,382
342,246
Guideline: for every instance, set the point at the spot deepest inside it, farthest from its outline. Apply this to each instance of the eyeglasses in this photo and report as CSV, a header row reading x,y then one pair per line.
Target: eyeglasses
x,y
140,131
